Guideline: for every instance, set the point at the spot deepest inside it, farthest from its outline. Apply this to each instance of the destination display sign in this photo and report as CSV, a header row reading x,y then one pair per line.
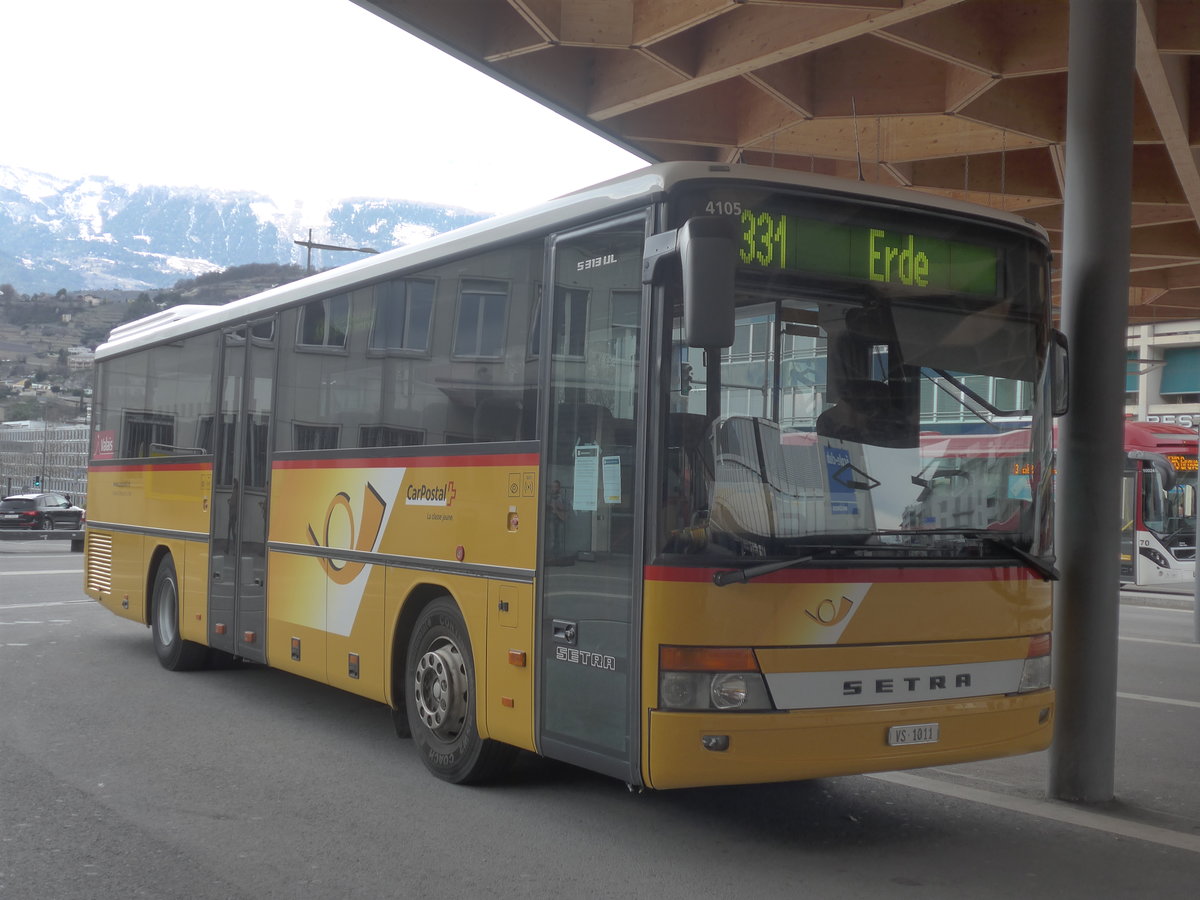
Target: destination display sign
x,y
1184,463
771,239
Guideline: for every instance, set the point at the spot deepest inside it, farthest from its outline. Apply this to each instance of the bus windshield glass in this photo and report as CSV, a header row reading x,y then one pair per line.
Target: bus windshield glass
x,y
1171,512
864,422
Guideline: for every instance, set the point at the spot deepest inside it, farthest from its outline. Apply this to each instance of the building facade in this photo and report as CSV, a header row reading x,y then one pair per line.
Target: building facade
x,y
1162,379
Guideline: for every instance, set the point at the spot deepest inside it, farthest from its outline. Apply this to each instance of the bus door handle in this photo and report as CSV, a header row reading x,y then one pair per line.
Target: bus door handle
x,y
565,631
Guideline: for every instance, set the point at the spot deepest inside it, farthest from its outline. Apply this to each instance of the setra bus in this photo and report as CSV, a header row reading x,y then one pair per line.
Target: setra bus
x,y
621,481
1158,504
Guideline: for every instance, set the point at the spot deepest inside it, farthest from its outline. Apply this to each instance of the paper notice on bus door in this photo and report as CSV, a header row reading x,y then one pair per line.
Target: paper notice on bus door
x,y
587,477
612,479
842,499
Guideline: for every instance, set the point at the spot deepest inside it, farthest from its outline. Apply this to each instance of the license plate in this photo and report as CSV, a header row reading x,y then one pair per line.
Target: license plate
x,y
903,735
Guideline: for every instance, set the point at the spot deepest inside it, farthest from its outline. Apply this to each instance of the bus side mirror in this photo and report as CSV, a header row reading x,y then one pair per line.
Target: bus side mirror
x,y
1166,472
1060,381
707,259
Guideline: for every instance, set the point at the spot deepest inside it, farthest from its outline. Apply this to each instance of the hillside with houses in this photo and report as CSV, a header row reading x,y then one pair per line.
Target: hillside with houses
x,y
47,341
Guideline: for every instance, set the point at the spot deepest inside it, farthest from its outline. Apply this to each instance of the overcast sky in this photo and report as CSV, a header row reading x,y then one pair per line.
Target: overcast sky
x,y
296,99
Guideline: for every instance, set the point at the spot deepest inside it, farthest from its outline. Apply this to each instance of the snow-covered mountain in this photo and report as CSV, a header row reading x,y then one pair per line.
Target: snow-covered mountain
x,y
94,233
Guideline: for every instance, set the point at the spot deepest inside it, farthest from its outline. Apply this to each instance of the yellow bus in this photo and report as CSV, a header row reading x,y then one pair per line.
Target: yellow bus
x,y
631,480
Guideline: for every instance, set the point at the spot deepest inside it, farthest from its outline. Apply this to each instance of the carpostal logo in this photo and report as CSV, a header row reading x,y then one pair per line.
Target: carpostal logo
x,y
430,494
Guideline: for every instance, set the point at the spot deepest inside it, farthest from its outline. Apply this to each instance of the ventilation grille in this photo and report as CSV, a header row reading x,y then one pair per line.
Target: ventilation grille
x,y
99,563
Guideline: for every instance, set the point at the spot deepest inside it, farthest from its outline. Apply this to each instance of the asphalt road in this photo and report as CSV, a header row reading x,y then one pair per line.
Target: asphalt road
x,y
120,780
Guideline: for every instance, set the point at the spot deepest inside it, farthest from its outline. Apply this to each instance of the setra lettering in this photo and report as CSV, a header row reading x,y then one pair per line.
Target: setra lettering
x,y
904,684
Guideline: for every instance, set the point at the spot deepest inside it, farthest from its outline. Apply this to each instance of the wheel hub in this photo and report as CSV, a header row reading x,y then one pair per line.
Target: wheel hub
x,y
441,689
164,613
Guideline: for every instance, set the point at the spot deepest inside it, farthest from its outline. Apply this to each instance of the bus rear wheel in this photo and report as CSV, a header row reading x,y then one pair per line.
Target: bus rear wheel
x,y
440,699
173,651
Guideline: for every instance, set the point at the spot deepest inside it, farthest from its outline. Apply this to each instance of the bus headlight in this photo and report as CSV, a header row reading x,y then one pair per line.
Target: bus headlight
x,y
680,690
1035,674
728,691
699,678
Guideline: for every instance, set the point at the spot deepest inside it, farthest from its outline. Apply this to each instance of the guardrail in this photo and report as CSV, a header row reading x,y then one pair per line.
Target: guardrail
x,y
74,536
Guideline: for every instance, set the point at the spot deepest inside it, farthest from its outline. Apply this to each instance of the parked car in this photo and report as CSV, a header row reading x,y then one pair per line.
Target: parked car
x,y
78,539
40,512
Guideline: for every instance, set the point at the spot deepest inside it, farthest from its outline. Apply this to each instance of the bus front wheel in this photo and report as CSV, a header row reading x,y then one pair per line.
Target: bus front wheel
x,y
173,651
440,699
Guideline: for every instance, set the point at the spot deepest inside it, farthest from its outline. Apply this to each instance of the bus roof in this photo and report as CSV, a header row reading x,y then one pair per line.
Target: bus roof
x,y
1153,436
1005,443
606,198
1157,436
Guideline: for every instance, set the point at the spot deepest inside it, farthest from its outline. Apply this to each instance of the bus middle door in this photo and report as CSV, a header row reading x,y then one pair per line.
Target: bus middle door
x,y
237,593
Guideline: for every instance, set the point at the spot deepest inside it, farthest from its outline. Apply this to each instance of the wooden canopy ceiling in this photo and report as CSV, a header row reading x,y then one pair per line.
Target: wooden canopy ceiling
x,y
961,98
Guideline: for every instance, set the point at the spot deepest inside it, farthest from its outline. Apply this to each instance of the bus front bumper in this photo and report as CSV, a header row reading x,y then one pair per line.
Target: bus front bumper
x,y
703,749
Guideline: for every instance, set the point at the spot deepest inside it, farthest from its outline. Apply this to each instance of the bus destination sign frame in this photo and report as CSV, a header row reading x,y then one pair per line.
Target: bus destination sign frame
x,y
771,239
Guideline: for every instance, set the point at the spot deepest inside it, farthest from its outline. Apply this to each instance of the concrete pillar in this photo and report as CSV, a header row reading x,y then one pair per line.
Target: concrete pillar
x,y
1196,586
1149,383
1094,317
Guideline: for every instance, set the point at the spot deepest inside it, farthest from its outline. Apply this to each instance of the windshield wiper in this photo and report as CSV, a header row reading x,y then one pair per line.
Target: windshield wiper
x,y
741,576
1039,565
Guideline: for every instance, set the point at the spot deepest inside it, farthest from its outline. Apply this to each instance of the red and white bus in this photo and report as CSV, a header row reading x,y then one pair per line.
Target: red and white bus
x,y
983,481
1158,504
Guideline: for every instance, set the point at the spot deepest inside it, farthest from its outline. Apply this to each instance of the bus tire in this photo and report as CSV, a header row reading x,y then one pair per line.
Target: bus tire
x,y
175,654
440,699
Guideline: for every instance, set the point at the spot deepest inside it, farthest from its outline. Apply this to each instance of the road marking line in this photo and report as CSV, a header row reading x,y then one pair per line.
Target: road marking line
x,y
47,572
46,622
1167,700
56,556
8,606
1161,641
1047,809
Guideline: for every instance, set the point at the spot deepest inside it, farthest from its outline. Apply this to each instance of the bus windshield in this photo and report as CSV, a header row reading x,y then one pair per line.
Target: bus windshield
x,y
890,425
1171,512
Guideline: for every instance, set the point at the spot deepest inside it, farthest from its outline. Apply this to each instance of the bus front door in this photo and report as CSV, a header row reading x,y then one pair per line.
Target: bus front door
x,y
237,590
589,590
1129,520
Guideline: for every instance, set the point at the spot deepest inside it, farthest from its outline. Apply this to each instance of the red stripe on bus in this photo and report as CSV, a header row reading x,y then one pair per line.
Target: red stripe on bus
x,y
856,575
410,462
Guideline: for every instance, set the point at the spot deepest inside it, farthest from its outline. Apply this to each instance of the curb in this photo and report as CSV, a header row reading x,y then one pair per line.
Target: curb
x,y
1163,599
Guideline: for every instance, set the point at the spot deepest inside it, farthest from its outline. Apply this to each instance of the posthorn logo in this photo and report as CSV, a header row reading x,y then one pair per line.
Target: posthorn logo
x,y
363,534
